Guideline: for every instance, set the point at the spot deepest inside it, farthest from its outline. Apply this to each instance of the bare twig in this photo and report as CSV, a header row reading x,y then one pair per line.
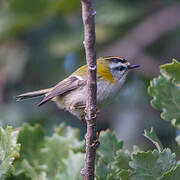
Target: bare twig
x,y
89,42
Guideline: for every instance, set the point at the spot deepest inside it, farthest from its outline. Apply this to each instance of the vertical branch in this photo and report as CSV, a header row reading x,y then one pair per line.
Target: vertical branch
x,y
89,43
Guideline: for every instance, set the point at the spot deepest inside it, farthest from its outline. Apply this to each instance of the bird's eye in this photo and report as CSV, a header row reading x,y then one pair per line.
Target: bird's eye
x,y
120,68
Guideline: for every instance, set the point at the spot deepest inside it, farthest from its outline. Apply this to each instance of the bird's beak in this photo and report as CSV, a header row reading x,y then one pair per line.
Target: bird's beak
x,y
133,66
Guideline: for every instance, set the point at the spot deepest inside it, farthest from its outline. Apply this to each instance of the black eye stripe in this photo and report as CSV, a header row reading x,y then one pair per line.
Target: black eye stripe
x,y
124,61
120,68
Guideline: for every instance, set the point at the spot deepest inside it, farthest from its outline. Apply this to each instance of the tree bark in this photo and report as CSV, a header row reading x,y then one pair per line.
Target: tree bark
x,y
89,43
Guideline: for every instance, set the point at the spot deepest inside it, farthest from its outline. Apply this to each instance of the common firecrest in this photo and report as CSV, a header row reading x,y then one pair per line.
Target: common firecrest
x,y
70,94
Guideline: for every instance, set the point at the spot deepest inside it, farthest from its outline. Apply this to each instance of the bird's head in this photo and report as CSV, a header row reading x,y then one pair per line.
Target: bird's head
x,y
114,67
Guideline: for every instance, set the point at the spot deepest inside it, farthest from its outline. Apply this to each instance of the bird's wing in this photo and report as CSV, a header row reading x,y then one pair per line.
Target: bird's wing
x,y
63,87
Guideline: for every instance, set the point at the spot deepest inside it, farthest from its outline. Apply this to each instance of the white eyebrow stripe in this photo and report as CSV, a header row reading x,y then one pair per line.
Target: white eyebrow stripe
x,y
114,65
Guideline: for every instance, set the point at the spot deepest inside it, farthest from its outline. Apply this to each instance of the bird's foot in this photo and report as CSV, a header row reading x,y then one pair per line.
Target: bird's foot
x,y
96,143
95,114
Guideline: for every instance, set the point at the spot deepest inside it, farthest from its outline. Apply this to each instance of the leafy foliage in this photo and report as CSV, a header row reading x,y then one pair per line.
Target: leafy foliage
x,y
31,140
166,93
109,146
152,164
9,149
44,157
72,170
110,156
61,157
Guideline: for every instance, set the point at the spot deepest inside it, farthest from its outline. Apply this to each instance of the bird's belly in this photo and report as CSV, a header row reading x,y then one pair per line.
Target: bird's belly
x,y
75,101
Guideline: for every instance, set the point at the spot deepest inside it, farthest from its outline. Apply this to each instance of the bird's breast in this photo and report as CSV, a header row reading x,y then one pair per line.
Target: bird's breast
x,y
106,91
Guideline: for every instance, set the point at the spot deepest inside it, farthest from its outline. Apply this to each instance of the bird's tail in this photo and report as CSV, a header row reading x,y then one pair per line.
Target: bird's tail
x,y
32,94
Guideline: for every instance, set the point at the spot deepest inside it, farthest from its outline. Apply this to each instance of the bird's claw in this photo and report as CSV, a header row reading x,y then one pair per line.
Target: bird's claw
x,y
96,143
85,110
95,114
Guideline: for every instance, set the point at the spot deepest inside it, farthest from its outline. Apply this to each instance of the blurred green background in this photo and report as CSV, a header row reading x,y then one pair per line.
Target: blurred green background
x,y
41,43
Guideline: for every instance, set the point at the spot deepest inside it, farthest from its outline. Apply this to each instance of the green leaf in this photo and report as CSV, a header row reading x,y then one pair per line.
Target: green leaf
x,y
166,97
171,71
55,151
31,140
71,167
122,160
125,174
111,157
43,157
35,173
105,171
172,174
145,164
109,146
152,165
101,170
9,149
72,136
166,160
57,148
151,135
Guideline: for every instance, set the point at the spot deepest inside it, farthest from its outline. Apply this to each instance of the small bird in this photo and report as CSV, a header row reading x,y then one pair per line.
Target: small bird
x,y
70,94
